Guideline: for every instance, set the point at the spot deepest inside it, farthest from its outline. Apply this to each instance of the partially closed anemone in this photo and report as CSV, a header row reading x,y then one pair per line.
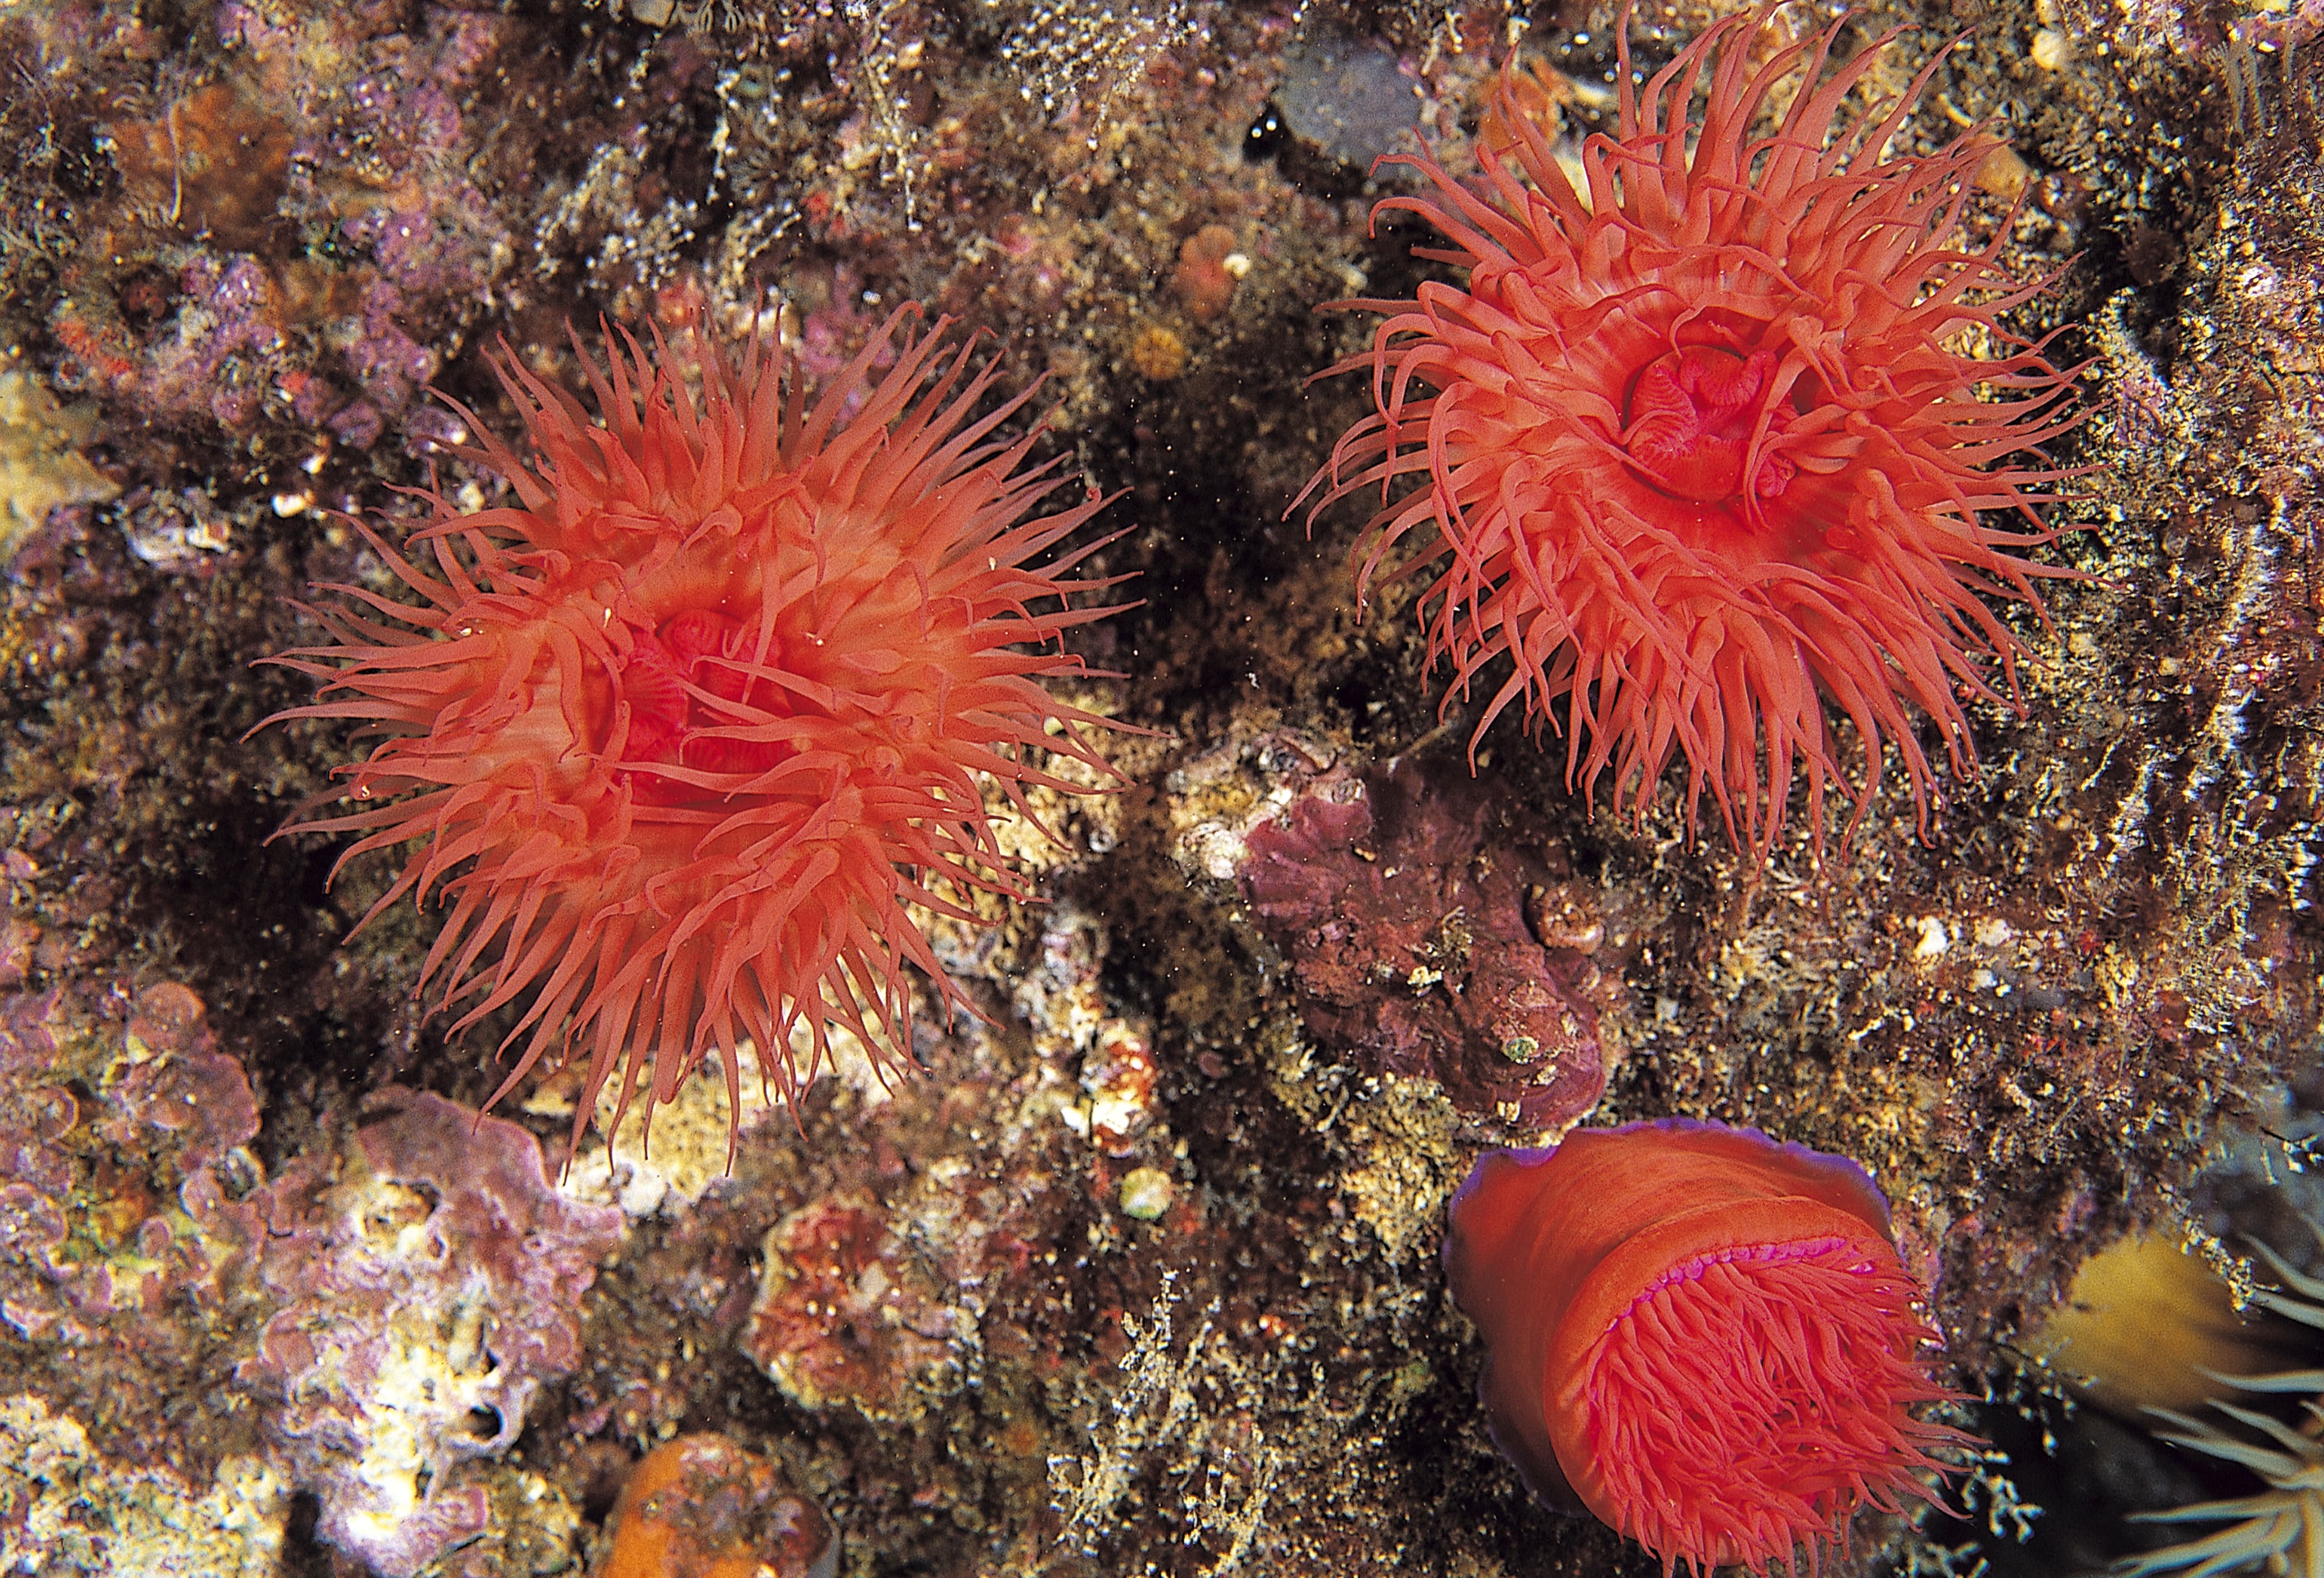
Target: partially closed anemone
x,y
1700,1335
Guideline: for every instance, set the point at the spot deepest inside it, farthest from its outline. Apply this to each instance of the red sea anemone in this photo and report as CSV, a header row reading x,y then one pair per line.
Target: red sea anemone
x,y
682,729
1701,1335
1711,443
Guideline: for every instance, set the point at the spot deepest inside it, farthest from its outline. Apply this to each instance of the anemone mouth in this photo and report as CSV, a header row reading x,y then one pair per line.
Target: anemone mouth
x,y
1697,418
700,695
1750,1399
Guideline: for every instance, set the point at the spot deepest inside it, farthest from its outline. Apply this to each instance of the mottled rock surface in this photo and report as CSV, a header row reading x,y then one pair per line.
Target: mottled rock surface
x,y
1140,1273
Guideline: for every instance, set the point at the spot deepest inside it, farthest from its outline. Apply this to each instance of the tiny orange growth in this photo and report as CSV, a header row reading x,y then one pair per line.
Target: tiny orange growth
x,y
701,1507
1203,281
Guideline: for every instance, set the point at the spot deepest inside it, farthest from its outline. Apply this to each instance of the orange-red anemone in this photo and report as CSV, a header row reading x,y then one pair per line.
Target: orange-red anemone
x,y
1701,1335
681,729
1722,438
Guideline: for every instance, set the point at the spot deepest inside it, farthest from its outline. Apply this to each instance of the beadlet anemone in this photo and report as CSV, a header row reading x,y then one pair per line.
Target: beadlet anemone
x,y
680,731
1717,440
